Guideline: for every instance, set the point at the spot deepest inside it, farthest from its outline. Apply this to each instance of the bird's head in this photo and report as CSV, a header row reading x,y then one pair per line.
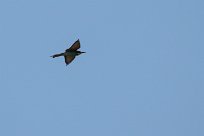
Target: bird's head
x,y
80,52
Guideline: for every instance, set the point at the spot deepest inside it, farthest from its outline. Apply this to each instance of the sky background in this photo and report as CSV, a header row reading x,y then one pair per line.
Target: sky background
x,y
142,75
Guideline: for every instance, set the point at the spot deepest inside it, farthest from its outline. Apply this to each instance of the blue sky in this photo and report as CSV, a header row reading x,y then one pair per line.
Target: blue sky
x,y
142,75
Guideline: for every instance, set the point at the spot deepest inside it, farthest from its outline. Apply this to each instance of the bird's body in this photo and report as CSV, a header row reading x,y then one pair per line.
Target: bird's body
x,y
70,53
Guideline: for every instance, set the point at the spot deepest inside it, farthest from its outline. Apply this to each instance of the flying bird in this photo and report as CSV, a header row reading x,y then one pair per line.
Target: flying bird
x,y
71,53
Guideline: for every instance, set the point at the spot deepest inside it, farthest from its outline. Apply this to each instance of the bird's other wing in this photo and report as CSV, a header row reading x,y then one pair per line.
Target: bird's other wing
x,y
75,46
68,59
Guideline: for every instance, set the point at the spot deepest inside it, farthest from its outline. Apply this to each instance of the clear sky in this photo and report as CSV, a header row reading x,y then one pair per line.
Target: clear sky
x,y
142,75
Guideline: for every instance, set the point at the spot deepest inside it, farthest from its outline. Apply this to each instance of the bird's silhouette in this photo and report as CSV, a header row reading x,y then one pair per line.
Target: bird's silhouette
x,y
71,53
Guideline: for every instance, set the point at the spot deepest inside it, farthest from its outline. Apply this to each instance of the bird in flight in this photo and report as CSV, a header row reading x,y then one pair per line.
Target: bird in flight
x,y
71,53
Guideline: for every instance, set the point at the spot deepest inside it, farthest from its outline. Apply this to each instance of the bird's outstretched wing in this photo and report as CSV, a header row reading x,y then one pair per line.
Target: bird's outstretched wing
x,y
68,59
75,46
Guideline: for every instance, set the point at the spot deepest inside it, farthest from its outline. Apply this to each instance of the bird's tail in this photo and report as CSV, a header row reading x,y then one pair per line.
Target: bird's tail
x,y
57,55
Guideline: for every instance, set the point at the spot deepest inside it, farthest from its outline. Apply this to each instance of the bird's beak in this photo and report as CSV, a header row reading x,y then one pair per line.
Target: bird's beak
x,y
83,52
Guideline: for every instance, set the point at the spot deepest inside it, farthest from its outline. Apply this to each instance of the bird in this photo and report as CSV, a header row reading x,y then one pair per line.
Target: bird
x,y
70,53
